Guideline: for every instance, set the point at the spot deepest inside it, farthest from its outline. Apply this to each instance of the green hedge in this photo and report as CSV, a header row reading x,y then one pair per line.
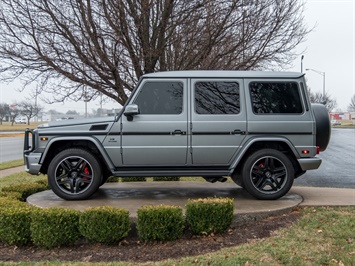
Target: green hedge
x,y
15,224
166,178
160,222
133,179
8,201
44,183
54,227
104,224
11,195
112,179
209,215
25,189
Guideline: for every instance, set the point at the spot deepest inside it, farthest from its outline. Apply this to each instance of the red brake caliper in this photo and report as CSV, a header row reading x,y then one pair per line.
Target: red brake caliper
x,y
86,172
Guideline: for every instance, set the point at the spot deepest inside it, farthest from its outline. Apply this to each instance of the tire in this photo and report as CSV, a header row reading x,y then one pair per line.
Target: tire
x,y
237,179
323,127
267,174
103,180
74,174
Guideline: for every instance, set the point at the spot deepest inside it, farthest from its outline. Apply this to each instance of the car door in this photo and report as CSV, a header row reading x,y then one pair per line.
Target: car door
x,y
218,120
157,135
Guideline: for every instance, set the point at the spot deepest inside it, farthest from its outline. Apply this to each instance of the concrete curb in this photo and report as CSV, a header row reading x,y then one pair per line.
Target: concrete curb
x,y
132,196
246,207
323,196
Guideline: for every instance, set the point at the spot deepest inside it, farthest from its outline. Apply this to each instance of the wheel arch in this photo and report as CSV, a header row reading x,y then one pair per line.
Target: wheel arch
x,y
90,144
280,144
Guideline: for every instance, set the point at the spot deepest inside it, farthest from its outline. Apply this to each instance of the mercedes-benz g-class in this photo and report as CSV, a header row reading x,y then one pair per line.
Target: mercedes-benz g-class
x,y
259,128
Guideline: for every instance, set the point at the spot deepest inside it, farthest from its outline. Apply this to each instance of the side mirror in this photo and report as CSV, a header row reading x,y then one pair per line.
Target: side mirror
x,y
130,111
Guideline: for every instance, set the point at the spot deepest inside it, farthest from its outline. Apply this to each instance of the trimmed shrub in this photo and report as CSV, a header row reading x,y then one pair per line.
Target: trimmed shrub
x,y
112,179
133,179
11,195
54,227
15,224
160,222
166,178
25,189
10,202
104,224
210,215
44,183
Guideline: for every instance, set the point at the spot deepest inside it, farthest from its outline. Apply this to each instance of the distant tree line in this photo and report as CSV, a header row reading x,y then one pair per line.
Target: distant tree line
x,y
14,110
351,106
326,99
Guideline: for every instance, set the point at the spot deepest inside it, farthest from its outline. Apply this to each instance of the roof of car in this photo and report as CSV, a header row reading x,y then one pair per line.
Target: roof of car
x,y
223,74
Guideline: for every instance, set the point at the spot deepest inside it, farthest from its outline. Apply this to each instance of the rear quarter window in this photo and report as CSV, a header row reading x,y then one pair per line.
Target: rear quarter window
x,y
275,98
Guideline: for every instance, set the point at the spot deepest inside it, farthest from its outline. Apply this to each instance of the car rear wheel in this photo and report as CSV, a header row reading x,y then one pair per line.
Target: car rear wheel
x,y
74,174
267,174
238,179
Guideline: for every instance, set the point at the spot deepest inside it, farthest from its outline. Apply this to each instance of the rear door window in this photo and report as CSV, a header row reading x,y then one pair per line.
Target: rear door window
x,y
215,98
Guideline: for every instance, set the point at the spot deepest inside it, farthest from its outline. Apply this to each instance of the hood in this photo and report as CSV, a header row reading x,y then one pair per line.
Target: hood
x,y
72,122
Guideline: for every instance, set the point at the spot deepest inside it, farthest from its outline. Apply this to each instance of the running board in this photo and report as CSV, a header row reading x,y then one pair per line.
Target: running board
x,y
149,173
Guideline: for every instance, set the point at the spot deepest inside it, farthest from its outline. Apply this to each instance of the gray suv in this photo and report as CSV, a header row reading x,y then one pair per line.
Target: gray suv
x,y
259,128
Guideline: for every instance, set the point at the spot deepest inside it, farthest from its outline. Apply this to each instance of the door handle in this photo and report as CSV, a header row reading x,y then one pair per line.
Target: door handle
x,y
178,132
238,132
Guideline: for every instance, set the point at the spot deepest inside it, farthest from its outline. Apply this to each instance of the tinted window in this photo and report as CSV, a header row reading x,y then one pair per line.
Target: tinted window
x,y
217,98
275,97
160,98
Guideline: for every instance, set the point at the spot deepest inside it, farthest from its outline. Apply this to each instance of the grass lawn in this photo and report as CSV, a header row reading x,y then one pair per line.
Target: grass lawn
x,y
6,126
11,164
17,178
345,124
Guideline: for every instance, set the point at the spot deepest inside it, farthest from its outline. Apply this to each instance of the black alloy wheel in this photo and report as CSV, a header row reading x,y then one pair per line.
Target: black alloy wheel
x,y
74,174
268,174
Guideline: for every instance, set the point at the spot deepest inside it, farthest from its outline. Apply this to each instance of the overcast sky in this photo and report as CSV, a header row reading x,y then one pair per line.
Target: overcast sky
x,y
329,48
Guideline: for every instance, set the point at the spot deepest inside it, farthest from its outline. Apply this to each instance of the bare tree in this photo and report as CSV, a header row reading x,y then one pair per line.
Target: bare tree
x,y
327,100
105,46
4,111
29,109
351,106
14,112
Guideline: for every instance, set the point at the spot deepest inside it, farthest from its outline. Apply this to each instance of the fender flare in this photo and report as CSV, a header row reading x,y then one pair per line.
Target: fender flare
x,y
238,157
91,139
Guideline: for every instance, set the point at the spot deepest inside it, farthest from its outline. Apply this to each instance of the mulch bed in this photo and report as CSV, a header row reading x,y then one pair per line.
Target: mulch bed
x,y
133,250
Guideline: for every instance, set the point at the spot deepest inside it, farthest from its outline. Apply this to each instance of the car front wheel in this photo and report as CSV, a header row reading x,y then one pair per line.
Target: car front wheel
x,y
267,174
74,174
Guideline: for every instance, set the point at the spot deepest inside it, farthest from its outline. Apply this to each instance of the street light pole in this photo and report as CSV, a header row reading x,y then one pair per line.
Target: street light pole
x,y
323,74
86,103
302,63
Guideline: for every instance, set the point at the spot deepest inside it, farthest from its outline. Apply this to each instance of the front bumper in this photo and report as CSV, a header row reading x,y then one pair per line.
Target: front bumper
x,y
309,163
32,165
31,158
